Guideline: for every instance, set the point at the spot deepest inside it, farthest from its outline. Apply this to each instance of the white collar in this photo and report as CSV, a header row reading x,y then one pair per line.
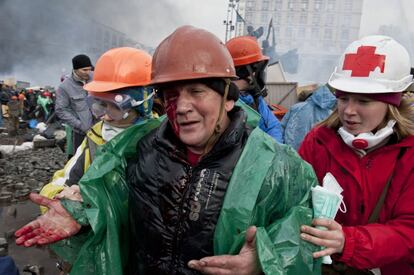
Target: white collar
x,y
109,131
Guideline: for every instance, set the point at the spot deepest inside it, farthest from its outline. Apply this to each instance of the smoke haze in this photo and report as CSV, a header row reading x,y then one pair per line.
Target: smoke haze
x,y
38,38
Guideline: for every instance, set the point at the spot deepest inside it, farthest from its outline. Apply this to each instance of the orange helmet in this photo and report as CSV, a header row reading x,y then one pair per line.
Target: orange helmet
x,y
245,50
191,53
120,68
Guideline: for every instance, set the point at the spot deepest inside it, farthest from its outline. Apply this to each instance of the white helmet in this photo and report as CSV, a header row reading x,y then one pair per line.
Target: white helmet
x,y
373,64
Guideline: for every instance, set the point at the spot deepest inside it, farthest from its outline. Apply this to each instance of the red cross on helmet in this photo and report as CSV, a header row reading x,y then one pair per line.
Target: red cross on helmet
x,y
373,64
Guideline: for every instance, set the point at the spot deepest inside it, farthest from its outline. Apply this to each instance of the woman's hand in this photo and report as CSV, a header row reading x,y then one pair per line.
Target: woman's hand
x,y
331,238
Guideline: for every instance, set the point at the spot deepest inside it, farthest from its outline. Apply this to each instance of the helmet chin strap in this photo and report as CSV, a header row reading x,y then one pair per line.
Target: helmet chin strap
x,y
365,141
254,88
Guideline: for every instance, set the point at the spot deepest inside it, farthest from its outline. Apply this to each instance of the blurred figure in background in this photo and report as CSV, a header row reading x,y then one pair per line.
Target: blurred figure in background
x,y
117,97
71,106
13,115
3,101
250,66
302,116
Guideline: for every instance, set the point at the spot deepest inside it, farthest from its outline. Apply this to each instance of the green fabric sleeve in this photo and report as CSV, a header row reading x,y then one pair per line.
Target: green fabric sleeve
x,y
269,188
105,194
76,210
68,249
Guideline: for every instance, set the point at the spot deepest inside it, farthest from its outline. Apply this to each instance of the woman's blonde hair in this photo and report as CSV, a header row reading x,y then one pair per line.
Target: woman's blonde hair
x,y
403,115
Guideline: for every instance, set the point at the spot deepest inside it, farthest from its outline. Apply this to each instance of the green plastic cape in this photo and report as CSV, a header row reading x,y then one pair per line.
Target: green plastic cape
x,y
274,195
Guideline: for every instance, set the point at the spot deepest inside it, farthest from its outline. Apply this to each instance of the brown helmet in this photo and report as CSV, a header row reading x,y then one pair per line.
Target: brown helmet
x,y
191,53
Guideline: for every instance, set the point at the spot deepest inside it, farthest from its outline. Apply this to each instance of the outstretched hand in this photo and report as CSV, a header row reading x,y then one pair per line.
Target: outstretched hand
x,y
245,262
332,239
56,224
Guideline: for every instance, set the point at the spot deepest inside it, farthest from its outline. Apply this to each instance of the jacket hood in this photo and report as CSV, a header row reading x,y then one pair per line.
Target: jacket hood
x,y
323,98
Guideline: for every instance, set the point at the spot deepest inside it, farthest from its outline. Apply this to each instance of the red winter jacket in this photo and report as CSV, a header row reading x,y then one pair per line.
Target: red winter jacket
x,y
389,243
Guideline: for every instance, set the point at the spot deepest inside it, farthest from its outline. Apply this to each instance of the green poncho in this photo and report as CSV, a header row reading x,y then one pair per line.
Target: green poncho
x,y
269,188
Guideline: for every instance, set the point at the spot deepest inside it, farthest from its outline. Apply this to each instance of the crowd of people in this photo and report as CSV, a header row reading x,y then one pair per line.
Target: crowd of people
x,y
219,185
25,105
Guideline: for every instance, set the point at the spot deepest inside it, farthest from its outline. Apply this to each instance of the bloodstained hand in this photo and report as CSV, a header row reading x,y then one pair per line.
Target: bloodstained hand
x,y
56,224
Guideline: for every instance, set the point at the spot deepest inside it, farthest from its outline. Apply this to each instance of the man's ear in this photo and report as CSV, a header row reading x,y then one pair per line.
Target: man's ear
x,y
229,105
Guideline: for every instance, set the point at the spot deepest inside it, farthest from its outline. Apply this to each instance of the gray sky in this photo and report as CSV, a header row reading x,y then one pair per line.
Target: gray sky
x,y
145,21
159,23
385,12
211,13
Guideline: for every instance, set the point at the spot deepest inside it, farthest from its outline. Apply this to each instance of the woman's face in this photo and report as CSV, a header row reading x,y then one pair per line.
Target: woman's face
x,y
360,114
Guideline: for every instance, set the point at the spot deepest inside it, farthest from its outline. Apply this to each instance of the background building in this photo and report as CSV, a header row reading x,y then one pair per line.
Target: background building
x,y
319,30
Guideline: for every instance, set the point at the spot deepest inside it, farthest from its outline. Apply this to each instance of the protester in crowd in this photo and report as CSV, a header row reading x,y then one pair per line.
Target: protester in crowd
x,y
71,105
29,104
13,115
367,145
302,116
21,99
117,97
201,183
5,96
250,66
3,101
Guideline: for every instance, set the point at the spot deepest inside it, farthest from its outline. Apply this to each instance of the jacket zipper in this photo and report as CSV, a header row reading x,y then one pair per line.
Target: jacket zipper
x,y
181,218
